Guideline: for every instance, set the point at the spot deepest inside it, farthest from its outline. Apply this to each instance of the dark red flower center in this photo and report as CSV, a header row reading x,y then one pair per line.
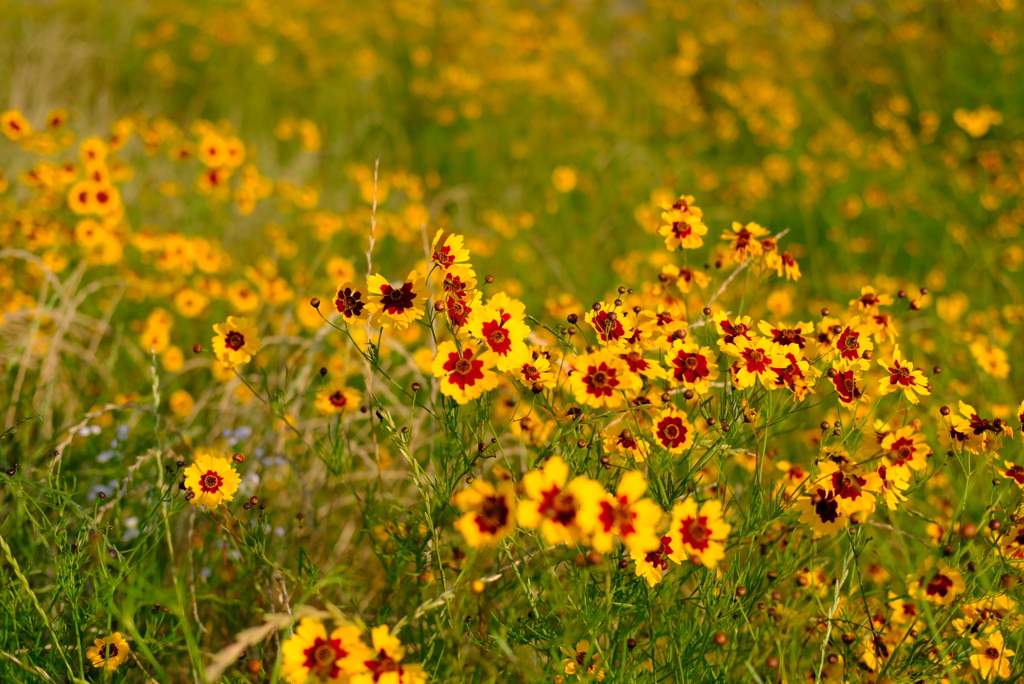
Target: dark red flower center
x,y
234,340
397,300
211,481
493,514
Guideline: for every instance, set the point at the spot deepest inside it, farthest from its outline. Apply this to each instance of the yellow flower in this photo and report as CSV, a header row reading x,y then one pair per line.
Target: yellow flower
x,y
311,657
337,398
14,125
625,514
599,379
550,503
698,535
396,306
692,366
190,303
673,431
940,585
242,296
577,658
682,225
386,666
352,302
991,358
653,564
211,479
108,653
756,359
237,341
564,178
488,512
991,656
465,375
181,403
902,376
450,253
744,240
504,334
535,372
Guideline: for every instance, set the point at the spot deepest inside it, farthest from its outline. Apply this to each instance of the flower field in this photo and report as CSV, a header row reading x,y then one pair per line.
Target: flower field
x,y
505,341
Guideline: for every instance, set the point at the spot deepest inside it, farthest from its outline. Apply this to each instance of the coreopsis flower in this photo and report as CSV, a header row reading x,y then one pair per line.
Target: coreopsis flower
x,y
892,482
459,309
692,366
14,125
551,503
684,278
634,357
939,585
673,431
744,240
651,565
906,450
600,378
384,665
820,511
465,375
793,476
697,535
237,341
825,338
488,512
1014,472
851,344
535,372
881,327
503,334
789,267
623,443
612,327
852,488
211,479
352,303
731,330
577,662
977,434
785,335
755,359
991,358
991,656
396,306
450,253
625,514
845,383
903,376
108,653
869,301
794,373
310,655
681,226
459,281
337,398
1020,416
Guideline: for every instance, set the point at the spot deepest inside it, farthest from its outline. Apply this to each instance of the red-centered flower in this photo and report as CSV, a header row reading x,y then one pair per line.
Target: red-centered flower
x,y
600,378
351,303
673,431
846,385
729,331
692,365
465,375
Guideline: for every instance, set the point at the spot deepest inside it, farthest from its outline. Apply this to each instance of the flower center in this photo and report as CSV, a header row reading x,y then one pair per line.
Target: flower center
x,y
234,340
598,379
463,366
690,362
493,514
211,481
338,399
323,654
671,431
992,653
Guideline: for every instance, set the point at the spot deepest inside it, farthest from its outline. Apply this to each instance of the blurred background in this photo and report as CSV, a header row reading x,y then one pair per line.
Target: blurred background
x,y
884,135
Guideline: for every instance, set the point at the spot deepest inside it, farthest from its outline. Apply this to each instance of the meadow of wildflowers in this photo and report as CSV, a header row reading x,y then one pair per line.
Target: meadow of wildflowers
x,y
445,341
